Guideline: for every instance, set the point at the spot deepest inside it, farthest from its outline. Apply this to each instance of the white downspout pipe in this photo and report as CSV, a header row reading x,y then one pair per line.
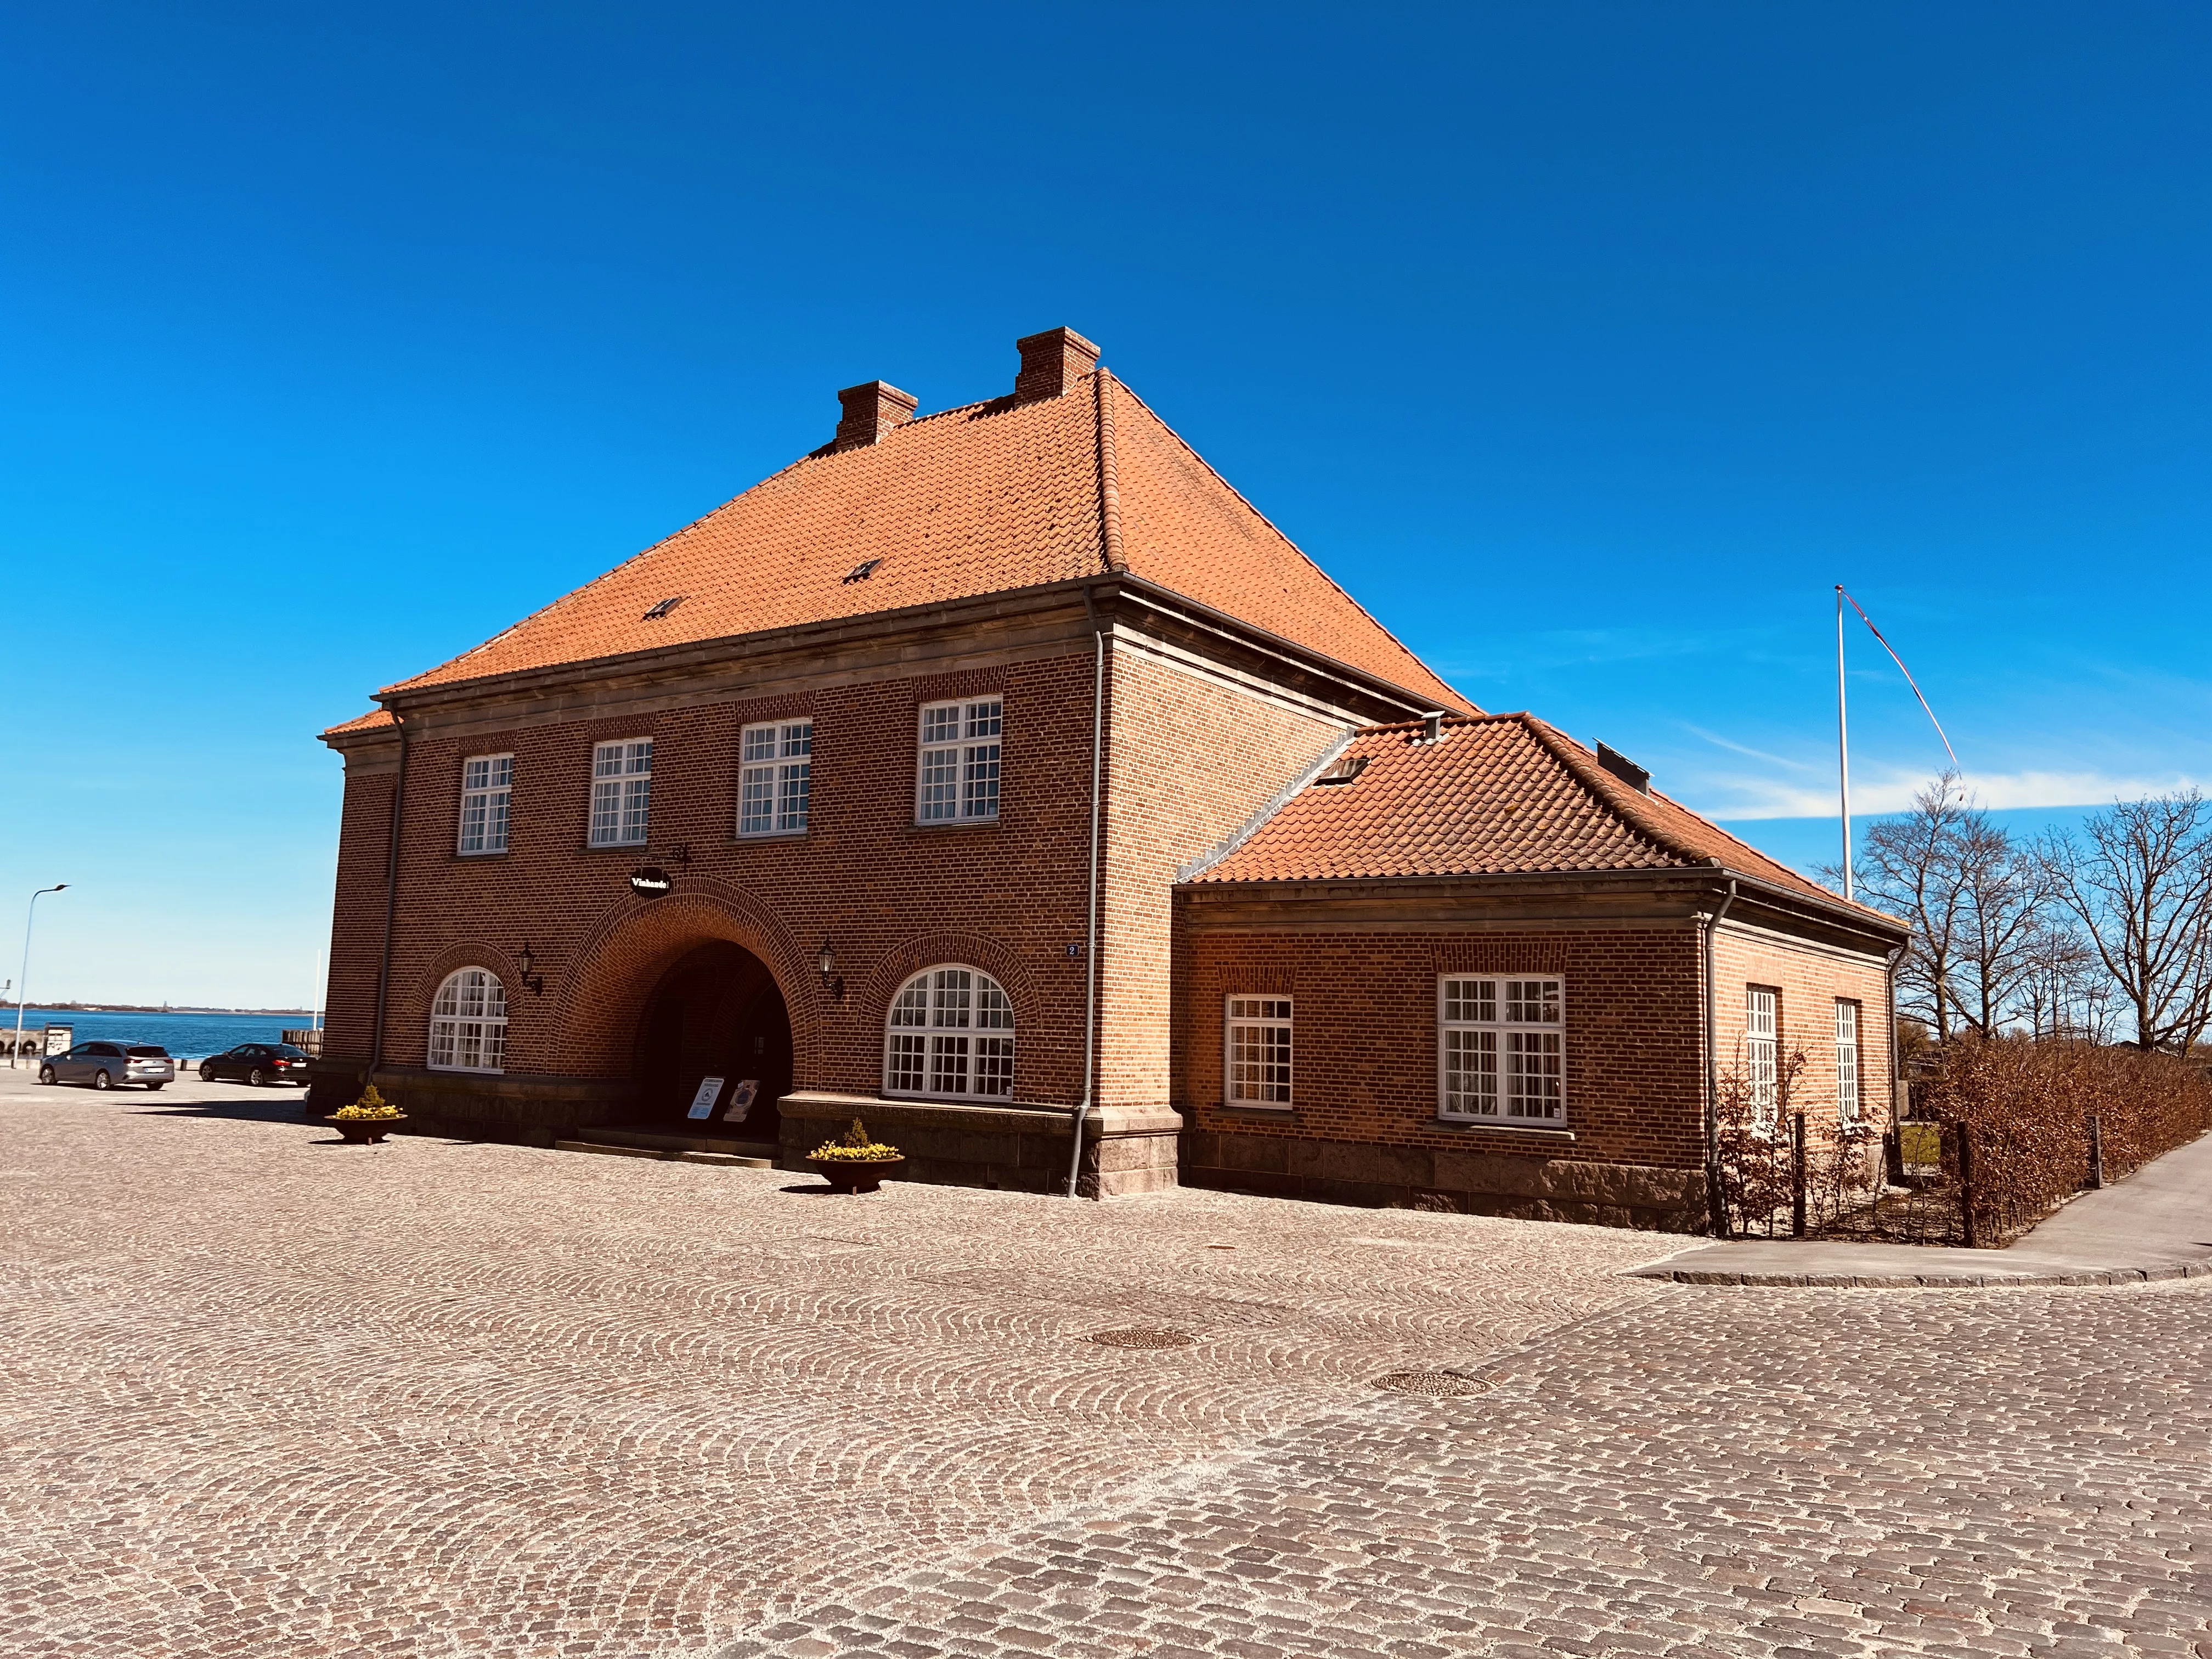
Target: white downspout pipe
x,y
1091,942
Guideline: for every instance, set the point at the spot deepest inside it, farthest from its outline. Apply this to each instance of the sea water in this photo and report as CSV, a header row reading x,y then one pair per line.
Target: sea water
x,y
188,1036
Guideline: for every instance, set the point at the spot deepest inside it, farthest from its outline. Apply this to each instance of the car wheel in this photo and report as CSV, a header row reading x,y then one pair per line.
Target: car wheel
x,y
253,1077
101,1080
156,1088
207,1072
45,1074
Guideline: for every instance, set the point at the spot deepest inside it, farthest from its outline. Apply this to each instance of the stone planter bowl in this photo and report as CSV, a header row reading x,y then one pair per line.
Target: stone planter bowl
x,y
361,1133
851,1176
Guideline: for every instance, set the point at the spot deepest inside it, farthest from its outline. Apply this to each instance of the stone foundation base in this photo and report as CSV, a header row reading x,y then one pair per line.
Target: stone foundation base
x,y
1530,1187
522,1107
1127,1150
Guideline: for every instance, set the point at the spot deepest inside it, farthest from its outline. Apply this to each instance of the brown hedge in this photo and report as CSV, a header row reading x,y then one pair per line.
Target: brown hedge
x,y
2028,1103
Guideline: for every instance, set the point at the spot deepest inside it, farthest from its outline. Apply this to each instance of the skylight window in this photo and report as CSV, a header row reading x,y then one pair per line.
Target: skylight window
x,y
1345,770
664,607
862,571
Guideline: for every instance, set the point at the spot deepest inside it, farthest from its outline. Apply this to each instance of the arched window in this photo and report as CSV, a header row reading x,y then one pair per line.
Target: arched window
x,y
468,1022
951,1037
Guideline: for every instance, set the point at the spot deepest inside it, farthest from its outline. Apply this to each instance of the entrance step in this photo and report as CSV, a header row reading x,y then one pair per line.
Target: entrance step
x,y
686,1149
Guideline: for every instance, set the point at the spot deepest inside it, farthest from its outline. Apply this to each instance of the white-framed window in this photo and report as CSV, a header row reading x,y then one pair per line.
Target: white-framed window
x,y
1501,1049
468,1022
949,1036
1256,1060
622,792
1761,1030
957,775
1847,1061
487,786
775,768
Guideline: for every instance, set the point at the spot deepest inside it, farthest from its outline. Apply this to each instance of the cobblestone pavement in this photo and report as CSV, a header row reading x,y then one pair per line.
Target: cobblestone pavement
x,y
262,1394
1802,1473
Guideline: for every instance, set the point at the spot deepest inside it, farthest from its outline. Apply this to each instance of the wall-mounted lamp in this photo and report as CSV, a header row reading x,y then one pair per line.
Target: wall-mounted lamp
x,y
826,962
535,981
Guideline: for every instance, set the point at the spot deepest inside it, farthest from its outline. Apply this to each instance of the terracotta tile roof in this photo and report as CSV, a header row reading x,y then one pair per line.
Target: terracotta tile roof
x,y
368,722
1497,794
985,499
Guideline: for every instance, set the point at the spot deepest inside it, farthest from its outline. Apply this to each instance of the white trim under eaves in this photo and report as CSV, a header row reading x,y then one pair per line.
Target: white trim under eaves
x,y
1283,797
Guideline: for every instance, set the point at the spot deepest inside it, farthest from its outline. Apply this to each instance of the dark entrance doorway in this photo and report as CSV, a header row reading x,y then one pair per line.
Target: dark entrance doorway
x,y
716,1012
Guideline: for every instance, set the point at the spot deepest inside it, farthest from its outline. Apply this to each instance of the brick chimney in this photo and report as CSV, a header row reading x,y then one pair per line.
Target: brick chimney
x,y
871,411
1051,362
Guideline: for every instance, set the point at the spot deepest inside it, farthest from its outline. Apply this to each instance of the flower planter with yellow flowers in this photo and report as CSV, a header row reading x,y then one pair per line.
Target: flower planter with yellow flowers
x,y
368,1119
854,1162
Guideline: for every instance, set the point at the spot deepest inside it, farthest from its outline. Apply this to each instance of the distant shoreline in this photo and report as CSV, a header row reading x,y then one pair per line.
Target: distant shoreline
x,y
150,1008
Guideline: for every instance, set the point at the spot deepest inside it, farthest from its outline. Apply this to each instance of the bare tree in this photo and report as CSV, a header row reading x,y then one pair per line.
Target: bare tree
x,y
2063,991
2140,885
2007,892
1910,866
1976,901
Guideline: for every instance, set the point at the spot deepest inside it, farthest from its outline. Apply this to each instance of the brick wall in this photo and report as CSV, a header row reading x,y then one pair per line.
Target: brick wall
x,y
890,896
1190,760
357,918
1810,981
1364,1035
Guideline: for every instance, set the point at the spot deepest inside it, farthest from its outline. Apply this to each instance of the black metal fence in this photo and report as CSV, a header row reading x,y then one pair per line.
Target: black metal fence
x,y
1915,1184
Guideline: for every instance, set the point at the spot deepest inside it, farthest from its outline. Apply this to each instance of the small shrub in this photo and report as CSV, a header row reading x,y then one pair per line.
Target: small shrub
x,y
371,1108
854,1146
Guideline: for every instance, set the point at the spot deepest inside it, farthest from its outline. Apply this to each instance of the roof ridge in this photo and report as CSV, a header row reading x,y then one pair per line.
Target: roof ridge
x,y
1627,802
1110,481
1277,530
1480,717
1586,771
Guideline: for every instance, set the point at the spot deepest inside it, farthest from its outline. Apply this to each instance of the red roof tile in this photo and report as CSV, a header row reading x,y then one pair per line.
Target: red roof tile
x,y
986,499
1497,795
368,722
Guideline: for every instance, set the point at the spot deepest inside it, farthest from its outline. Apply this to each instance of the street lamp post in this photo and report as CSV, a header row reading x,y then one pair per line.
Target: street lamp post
x,y
23,982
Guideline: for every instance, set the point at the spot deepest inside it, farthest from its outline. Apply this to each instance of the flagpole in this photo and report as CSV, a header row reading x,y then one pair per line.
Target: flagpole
x,y
1843,744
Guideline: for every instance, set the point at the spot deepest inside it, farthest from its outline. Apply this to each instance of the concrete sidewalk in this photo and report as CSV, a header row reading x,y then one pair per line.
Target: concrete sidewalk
x,y
2156,1224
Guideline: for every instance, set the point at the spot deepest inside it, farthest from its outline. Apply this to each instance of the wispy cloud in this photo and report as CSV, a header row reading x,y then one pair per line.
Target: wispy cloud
x,y
1718,741
1736,796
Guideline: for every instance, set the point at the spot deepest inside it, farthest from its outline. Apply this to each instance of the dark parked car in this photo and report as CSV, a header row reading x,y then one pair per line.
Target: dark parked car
x,y
256,1063
104,1065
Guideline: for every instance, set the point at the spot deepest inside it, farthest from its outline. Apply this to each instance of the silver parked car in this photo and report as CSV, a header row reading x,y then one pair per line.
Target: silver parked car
x,y
104,1065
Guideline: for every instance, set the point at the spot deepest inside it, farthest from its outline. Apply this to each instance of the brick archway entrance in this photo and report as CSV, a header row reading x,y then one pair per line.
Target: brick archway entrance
x,y
716,1012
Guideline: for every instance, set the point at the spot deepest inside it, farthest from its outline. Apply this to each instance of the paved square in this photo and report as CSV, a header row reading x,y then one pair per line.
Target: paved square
x,y
265,1393
262,1394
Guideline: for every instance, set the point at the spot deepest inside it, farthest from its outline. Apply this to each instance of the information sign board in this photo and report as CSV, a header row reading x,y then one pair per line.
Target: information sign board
x,y
741,1100
703,1103
1920,1143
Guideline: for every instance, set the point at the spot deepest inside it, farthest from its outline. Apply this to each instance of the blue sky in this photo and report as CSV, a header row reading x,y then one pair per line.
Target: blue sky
x,y
1589,345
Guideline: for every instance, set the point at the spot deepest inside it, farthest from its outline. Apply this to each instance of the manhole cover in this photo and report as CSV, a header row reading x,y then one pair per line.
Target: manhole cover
x,y
1438,1383
1142,1336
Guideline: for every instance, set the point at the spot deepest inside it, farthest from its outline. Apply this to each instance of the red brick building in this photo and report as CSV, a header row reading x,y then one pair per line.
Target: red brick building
x,y
971,776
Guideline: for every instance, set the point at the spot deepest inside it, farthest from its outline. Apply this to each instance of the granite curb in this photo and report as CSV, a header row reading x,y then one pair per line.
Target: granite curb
x,y
1936,1281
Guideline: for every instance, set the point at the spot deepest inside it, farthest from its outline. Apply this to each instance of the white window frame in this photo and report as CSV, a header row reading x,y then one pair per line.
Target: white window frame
x,y
957,755
775,767
621,792
487,799
948,1035
1259,1040
1850,1102
468,1022
1762,1041
1502,1049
